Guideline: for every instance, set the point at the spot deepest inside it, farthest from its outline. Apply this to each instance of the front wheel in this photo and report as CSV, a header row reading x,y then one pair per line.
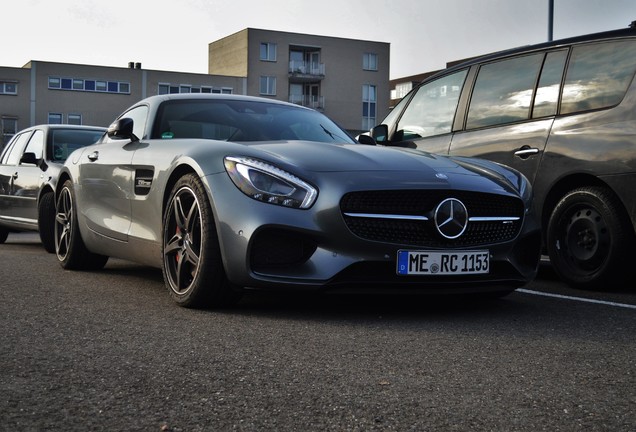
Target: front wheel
x,y
588,239
69,246
192,265
46,221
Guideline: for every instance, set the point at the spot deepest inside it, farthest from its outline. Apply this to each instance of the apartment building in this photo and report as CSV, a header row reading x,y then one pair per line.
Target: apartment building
x,y
346,79
49,92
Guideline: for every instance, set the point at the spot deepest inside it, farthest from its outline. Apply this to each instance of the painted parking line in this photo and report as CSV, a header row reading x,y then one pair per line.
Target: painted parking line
x,y
584,300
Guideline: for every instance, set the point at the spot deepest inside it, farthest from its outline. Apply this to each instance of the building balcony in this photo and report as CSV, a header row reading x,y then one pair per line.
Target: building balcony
x,y
300,71
315,102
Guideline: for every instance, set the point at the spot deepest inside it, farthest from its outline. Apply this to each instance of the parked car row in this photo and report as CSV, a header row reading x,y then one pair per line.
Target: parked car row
x,y
563,114
227,193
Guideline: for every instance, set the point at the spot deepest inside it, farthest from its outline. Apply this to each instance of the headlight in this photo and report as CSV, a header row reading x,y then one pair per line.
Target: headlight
x,y
264,182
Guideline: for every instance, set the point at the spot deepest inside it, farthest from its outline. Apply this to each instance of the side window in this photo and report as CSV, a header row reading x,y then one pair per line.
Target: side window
x,y
503,91
598,75
36,144
546,99
14,152
431,110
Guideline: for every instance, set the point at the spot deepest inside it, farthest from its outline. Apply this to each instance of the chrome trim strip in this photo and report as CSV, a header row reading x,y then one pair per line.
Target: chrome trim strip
x,y
493,219
424,218
387,216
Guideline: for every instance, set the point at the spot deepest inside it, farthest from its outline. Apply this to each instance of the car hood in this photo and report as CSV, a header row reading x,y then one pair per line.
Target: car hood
x,y
408,164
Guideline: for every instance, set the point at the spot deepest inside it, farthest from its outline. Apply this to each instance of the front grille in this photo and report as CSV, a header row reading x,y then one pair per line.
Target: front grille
x,y
423,203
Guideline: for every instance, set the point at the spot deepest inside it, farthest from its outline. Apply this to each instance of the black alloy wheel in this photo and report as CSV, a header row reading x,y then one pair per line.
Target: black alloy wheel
x,y
589,238
192,265
69,246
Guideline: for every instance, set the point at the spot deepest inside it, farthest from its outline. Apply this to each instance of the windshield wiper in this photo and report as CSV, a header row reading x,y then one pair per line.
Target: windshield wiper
x,y
333,137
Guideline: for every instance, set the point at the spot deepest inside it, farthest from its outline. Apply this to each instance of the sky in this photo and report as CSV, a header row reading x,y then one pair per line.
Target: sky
x,y
173,35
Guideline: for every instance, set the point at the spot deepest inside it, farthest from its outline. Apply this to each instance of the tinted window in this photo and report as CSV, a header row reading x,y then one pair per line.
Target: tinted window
x,y
598,75
503,91
36,144
547,97
243,120
432,109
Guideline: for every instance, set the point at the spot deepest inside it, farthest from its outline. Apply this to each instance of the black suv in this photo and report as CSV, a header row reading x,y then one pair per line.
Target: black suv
x,y
564,114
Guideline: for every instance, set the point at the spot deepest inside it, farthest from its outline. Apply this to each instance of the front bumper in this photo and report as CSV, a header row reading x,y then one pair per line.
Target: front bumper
x,y
266,246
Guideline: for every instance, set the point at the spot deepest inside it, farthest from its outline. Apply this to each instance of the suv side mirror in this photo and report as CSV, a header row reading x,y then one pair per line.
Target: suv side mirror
x,y
380,133
122,129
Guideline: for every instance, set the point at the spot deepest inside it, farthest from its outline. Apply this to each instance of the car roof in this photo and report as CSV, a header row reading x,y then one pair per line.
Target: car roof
x,y
611,34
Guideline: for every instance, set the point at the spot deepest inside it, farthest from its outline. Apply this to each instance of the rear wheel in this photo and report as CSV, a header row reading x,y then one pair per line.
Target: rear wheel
x,y
589,238
69,246
46,221
192,265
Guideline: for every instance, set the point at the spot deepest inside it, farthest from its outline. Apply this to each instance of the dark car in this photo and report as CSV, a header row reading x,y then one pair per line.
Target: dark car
x,y
29,166
562,113
231,192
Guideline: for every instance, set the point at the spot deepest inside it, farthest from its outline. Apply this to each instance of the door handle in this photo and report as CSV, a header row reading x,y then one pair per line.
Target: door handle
x,y
526,151
15,175
93,156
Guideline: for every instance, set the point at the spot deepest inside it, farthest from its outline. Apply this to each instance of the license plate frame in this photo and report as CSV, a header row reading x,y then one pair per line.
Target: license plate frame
x,y
442,263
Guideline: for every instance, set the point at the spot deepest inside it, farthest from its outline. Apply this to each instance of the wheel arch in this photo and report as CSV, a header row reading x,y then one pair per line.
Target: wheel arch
x,y
566,184
176,174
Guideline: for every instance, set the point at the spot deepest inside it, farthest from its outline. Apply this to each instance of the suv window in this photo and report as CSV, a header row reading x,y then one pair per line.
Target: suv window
x,y
546,99
503,91
598,75
432,109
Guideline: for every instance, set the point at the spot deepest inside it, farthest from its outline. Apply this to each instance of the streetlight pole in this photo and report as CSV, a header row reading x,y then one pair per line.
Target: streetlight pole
x,y
550,20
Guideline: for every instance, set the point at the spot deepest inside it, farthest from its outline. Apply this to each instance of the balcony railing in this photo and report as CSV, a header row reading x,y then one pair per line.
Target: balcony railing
x,y
302,69
315,102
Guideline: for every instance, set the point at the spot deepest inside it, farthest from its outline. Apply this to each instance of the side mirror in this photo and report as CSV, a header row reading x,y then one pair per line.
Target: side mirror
x,y
380,133
122,129
366,139
29,158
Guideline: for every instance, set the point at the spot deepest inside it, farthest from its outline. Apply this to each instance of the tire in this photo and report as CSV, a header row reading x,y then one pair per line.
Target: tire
x,y
588,239
46,221
4,233
192,266
69,246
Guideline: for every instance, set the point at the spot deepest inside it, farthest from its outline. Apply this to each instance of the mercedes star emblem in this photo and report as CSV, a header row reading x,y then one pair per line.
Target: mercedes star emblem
x,y
451,218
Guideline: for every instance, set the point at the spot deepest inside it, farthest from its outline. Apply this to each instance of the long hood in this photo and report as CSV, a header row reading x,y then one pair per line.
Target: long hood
x,y
391,163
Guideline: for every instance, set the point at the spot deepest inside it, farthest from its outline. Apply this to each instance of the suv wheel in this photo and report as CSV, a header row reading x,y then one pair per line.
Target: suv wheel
x,y
588,239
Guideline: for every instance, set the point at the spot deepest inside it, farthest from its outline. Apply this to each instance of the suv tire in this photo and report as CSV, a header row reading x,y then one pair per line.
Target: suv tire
x,y
588,239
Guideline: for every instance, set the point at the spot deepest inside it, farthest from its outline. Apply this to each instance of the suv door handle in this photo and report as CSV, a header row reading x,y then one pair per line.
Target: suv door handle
x,y
526,151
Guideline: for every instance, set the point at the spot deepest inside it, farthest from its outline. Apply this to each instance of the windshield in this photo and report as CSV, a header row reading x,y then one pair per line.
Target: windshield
x,y
243,121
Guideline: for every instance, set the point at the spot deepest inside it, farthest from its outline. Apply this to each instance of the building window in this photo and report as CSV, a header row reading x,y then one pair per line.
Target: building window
x,y
74,119
268,86
9,128
370,61
55,118
78,84
268,52
8,88
369,99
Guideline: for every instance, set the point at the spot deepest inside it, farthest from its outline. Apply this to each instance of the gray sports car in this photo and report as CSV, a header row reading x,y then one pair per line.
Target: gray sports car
x,y
227,193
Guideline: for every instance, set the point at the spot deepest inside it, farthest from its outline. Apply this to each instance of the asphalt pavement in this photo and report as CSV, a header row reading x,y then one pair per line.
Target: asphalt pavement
x,y
110,351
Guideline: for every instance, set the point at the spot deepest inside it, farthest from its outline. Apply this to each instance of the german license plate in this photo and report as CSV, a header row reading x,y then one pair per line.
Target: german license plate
x,y
442,263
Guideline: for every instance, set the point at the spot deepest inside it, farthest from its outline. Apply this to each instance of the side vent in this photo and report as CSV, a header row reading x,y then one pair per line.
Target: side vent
x,y
143,181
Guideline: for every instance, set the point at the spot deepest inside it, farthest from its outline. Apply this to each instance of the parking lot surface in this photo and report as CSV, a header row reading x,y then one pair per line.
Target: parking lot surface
x,y
109,350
